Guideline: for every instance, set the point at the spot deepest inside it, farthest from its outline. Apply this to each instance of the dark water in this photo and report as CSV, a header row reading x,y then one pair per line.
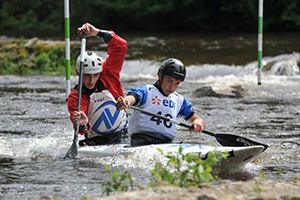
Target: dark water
x,y
35,130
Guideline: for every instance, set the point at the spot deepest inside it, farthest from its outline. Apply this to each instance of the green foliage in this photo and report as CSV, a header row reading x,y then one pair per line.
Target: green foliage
x,y
185,15
46,17
262,174
185,170
41,58
31,15
279,173
282,15
119,182
257,188
50,61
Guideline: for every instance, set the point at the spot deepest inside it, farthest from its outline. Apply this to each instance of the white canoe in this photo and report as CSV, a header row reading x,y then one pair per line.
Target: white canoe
x,y
238,156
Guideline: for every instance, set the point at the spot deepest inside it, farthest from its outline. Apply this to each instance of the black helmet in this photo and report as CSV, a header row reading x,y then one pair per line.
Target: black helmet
x,y
173,67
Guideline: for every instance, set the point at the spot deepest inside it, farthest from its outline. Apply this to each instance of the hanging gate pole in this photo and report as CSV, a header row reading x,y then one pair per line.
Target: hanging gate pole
x,y
67,47
260,40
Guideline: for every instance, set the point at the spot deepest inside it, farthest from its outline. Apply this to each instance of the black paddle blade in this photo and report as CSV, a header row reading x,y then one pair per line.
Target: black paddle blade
x,y
237,141
72,153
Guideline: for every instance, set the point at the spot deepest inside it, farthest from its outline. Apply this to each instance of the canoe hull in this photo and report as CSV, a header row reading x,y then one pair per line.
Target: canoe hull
x,y
239,156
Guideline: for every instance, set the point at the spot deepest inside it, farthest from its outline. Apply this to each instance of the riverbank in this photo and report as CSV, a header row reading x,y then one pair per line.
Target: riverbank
x,y
34,56
255,189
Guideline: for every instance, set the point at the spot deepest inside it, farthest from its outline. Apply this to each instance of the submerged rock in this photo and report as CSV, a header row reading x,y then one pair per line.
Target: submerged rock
x,y
234,91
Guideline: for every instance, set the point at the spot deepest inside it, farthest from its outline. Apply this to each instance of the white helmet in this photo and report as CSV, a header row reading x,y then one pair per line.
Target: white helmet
x,y
92,63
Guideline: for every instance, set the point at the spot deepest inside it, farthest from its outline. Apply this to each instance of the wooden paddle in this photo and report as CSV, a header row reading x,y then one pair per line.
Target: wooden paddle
x,y
72,153
223,139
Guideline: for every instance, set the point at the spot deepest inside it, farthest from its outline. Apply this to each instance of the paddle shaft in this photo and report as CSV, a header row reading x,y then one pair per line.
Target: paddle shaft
x,y
82,50
189,126
73,149
163,117
223,139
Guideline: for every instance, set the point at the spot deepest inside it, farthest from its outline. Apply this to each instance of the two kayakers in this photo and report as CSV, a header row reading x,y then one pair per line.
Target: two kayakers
x,y
160,98
100,121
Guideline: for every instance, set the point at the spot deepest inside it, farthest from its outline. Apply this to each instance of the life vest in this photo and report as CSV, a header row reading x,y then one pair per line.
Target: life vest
x,y
154,101
104,117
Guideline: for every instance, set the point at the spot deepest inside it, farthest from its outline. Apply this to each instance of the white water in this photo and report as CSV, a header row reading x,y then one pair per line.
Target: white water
x,y
36,133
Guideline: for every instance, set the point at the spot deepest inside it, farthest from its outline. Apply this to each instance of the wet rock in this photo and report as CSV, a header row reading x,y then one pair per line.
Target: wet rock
x,y
47,197
205,91
30,43
288,65
234,91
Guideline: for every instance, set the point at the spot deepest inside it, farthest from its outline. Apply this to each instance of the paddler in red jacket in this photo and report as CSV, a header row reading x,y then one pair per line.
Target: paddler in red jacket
x,y
100,121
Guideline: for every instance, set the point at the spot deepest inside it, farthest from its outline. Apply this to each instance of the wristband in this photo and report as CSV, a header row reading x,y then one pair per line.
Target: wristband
x,y
104,35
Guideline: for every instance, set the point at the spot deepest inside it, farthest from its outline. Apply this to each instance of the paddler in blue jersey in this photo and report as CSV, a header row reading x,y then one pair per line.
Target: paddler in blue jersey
x,y
162,99
100,120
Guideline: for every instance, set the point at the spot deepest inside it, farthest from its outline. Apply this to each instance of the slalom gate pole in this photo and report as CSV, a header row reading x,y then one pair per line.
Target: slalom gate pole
x,y
260,40
67,47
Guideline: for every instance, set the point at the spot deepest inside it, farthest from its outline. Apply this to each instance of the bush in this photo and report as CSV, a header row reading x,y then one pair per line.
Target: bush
x,y
119,182
41,58
182,170
186,170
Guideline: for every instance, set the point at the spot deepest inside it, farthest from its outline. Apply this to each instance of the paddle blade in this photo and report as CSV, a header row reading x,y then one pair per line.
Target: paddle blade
x,y
72,153
237,141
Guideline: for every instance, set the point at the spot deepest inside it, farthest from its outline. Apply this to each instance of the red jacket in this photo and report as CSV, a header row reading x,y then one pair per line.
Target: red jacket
x,y
109,76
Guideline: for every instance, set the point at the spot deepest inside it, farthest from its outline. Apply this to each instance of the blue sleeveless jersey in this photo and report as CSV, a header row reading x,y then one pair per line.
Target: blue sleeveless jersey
x,y
152,100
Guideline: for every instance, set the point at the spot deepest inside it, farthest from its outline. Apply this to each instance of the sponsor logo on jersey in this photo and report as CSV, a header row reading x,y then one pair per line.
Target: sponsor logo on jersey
x,y
105,98
156,100
106,119
165,102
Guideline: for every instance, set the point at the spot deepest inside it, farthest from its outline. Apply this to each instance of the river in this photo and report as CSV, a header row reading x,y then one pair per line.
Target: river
x,y
35,130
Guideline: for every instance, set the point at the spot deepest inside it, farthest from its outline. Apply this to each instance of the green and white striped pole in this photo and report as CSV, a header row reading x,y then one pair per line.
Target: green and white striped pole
x,y
260,40
67,47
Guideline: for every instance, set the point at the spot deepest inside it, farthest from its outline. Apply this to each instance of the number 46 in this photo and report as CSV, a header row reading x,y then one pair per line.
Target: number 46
x,y
158,120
